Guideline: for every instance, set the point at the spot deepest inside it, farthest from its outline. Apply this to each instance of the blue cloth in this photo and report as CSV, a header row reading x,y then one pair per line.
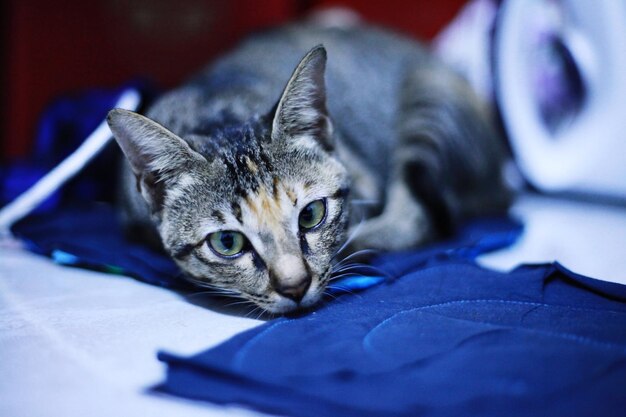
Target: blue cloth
x,y
92,237
447,338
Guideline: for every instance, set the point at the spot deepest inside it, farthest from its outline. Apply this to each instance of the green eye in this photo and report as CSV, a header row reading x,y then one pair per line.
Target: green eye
x,y
227,243
312,215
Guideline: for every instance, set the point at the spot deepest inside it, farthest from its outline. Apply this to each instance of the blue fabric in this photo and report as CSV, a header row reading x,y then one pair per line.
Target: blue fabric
x,y
446,338
91,237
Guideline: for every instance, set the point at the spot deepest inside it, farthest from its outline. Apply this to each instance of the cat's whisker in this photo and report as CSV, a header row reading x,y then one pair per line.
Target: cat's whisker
x,y
214,291
338,274
241,302
353,265
343,265
367,267
225,293
356,254
339,268
253,311
200,293
208,285
347,274
350,239
329,294
346,290
263,312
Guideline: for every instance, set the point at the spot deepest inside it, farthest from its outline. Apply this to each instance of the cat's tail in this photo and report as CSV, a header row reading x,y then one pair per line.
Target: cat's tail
x,y
453,155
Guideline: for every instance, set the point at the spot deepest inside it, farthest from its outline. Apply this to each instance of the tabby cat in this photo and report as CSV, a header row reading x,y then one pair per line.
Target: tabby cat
x,y
250,175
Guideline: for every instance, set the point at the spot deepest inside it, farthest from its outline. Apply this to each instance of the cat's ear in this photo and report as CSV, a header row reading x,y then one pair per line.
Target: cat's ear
x,y
157,156
301,111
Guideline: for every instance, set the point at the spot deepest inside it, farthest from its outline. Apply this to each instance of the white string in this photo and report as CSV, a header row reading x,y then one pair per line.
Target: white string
x,y
70,166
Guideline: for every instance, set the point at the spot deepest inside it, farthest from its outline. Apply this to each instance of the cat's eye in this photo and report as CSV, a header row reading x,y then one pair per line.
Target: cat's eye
x,y
312,215
227,243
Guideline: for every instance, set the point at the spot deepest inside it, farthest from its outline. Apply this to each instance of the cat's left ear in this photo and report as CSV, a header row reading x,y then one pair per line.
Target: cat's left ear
x,y
301,111
157,156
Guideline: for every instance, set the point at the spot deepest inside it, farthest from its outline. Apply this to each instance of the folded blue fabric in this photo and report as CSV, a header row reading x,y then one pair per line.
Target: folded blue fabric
x,y
446,338
91,237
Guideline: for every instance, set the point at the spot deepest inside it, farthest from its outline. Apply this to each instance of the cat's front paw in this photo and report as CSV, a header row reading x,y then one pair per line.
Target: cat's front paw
x,y
389,233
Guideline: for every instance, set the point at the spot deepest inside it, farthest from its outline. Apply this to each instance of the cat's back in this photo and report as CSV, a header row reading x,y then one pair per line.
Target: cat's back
x,y
365,70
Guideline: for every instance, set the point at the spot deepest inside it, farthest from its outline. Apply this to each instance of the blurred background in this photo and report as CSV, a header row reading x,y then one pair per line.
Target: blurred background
x,y
60,47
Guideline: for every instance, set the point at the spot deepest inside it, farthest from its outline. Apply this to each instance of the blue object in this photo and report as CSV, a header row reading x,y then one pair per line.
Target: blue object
x,y
63,126
91,237
447,338
64,258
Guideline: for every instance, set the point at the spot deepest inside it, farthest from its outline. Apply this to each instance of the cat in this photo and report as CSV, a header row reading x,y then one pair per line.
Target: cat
x,y
250,175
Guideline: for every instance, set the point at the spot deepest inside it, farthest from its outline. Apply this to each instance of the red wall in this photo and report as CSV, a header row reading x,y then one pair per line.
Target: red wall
x,y
55,47
420,18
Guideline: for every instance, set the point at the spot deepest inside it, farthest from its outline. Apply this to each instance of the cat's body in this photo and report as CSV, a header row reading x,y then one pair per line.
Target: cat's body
x,y
276,163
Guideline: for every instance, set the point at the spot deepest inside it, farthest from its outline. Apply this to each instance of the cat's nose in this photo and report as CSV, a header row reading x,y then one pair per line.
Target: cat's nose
x,y
294,290
290,277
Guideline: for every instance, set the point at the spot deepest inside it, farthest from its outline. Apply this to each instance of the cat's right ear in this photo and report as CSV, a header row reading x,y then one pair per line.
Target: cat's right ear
x,y
156,155
301,110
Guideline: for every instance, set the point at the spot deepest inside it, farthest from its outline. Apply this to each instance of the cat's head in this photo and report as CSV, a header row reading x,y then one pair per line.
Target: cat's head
x,y
259,209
